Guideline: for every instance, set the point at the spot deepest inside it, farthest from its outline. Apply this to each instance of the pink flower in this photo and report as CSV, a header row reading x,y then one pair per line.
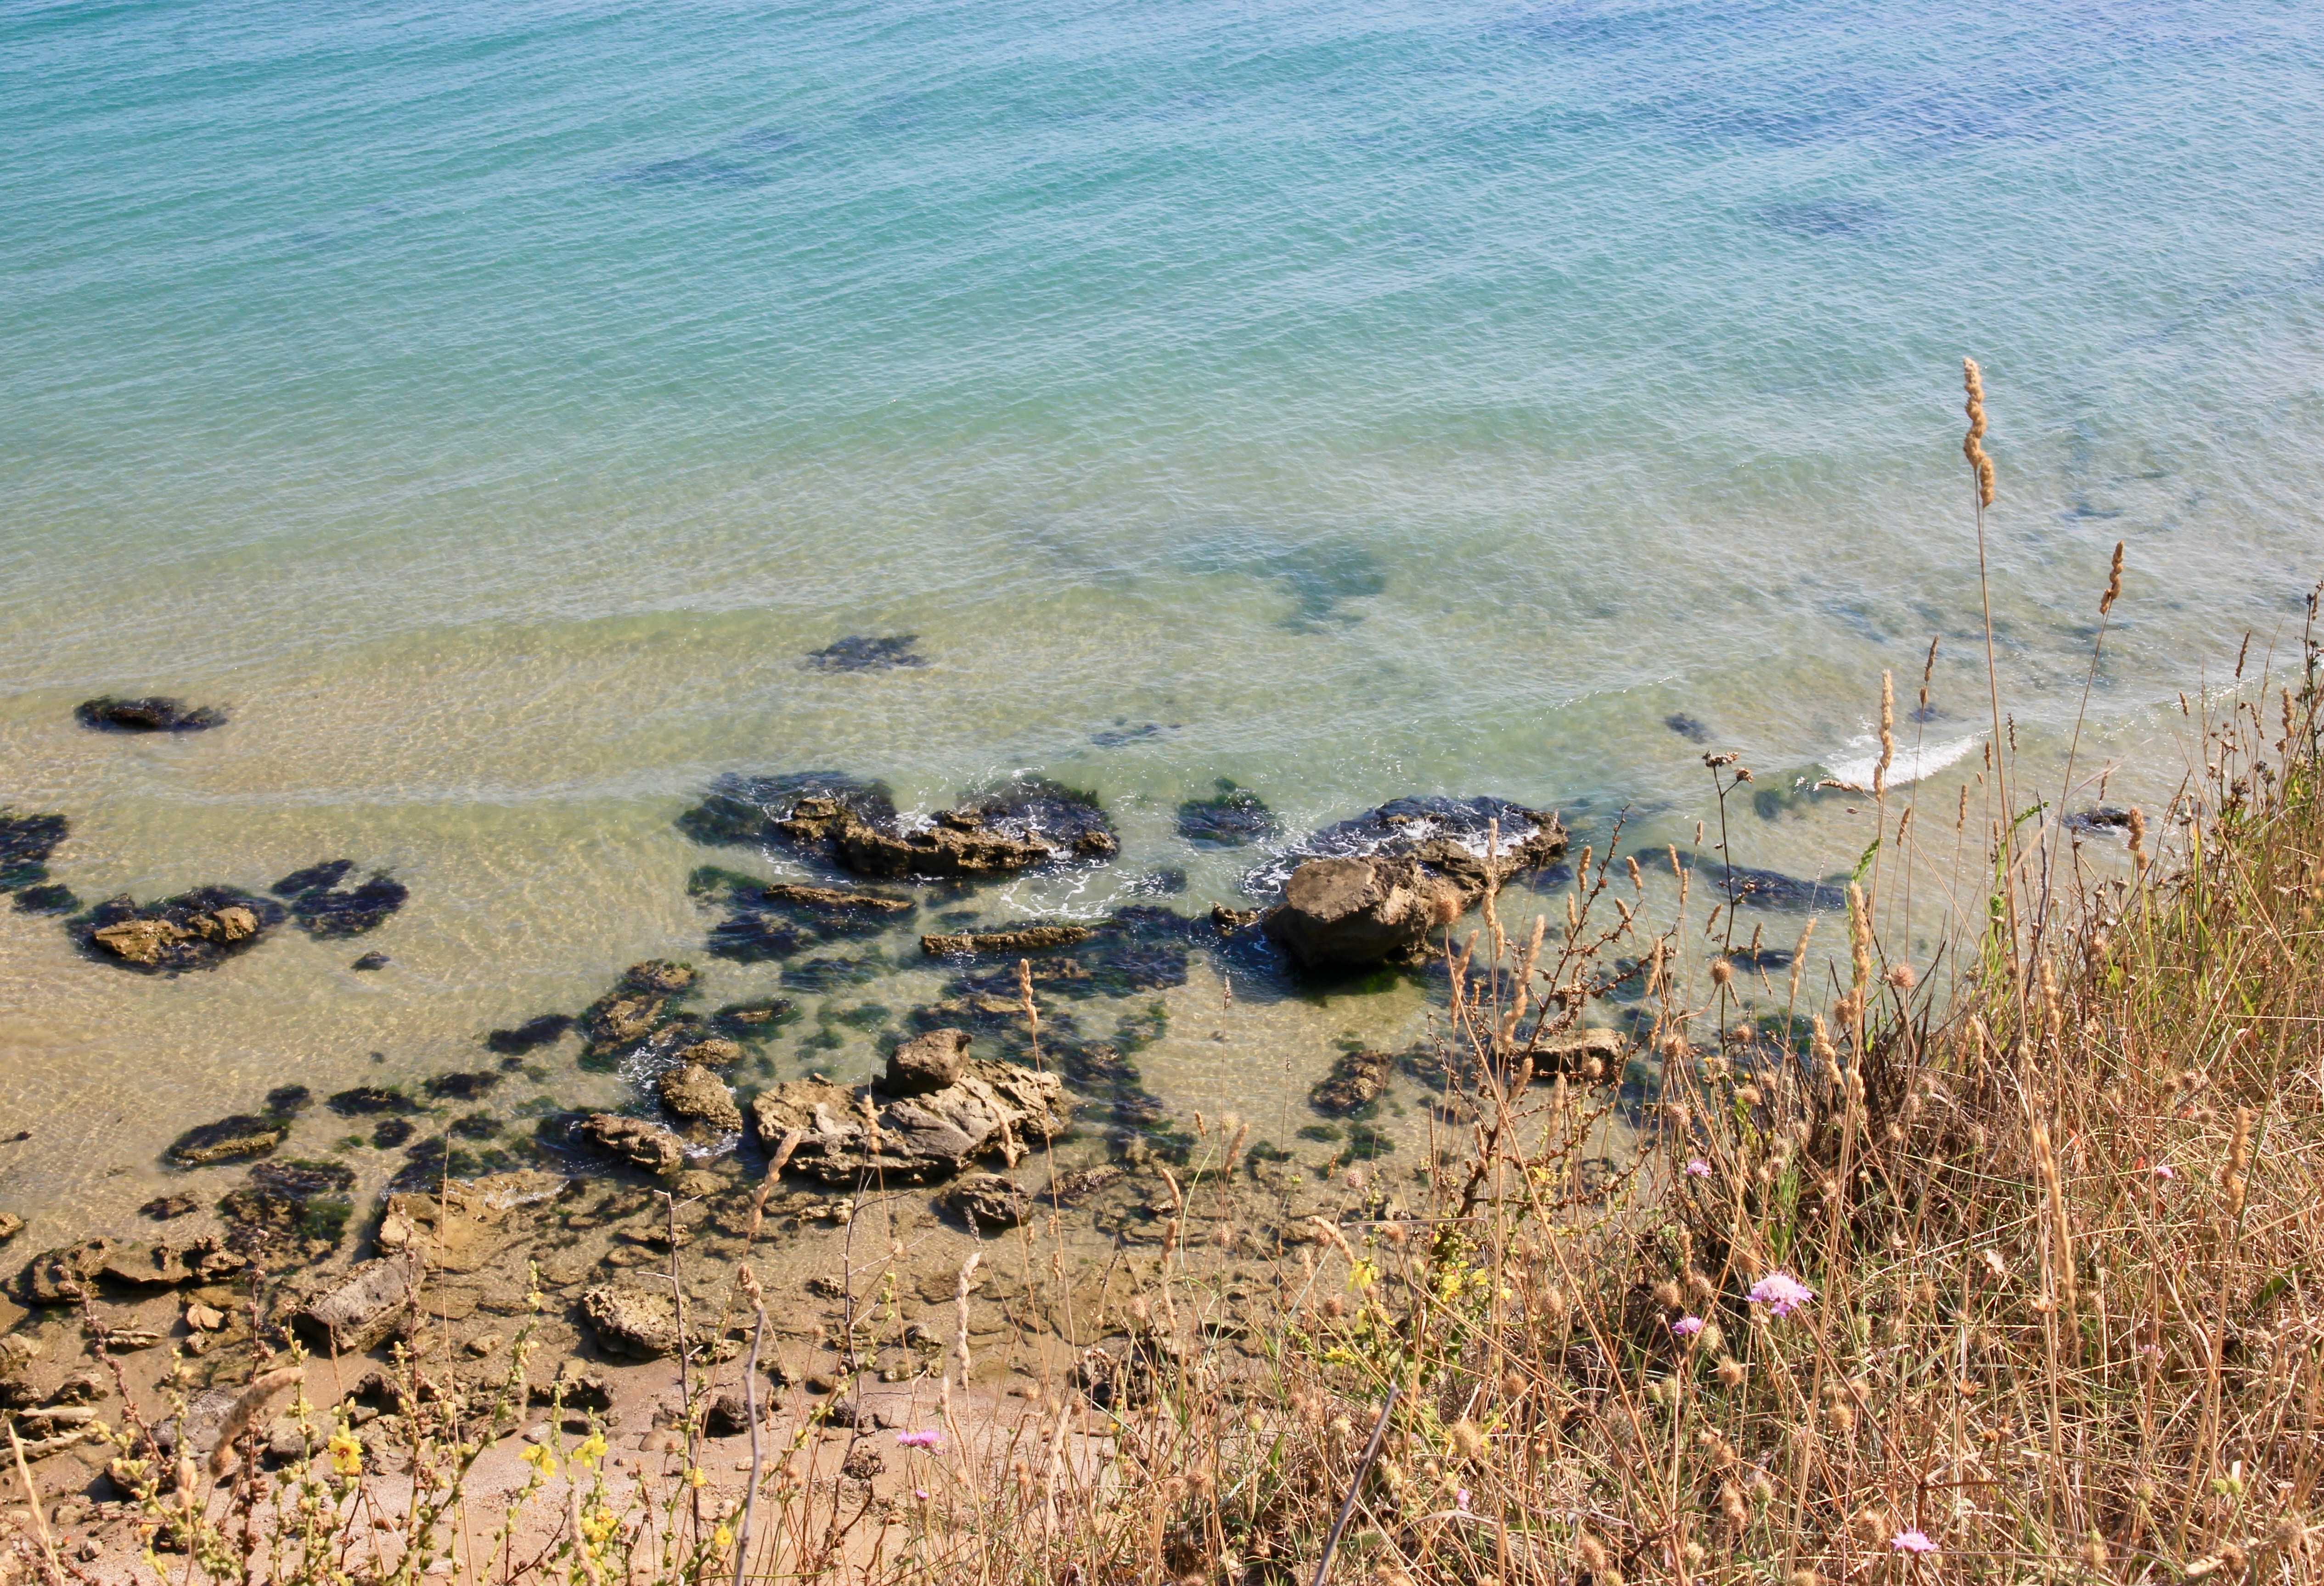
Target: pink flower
x,y
919,1439
921,1493
2163,1171
1782,1293
1697,1168
1687,1326
1912,1542
1461,1499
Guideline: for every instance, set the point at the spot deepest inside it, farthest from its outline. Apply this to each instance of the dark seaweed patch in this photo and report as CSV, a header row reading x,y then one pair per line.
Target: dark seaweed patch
x,y
476,1126
1229,818
1687,727
393,1132
857,653
753,1021
26,840
323,909
290,1101
369,962
463,1087
289,1207
531,1033
365,1099
50,899
1115,736
153,714
829,974
314,877
742,811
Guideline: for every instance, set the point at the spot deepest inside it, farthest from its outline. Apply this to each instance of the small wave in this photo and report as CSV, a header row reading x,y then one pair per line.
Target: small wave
x,y
1910,765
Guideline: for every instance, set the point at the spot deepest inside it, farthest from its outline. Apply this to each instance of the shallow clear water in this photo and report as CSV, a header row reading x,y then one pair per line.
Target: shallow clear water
x,y
492,405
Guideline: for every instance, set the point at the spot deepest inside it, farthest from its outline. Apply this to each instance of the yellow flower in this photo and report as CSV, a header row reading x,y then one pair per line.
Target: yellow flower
x,y
597,1525
540,1459
346,1452
694,1476
1362,1275
721,1540
591,1449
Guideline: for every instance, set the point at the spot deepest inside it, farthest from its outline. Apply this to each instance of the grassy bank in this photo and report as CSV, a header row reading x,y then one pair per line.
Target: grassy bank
x,y
2005,1267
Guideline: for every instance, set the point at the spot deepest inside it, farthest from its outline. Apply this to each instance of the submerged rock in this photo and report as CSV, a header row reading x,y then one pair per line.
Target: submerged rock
x,y
641,1144
1230,818
857,653
229,1140
1354,1086
638,1003
47,899
642,1324
988,1200
2105,817
700,1101
369,962
26,840
323,909
992,1108
531,1033
362,1101
193,930
1025,939
774,920
153,714
290,1209
1768,889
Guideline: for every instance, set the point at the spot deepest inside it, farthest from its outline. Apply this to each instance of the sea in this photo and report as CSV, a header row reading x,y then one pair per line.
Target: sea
x,y
503,412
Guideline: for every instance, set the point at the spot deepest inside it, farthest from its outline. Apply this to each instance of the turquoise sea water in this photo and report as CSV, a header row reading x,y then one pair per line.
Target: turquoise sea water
x,y
493,405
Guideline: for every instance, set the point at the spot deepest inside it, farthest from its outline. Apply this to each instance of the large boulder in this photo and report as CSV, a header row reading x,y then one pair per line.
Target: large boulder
x,y
993,1107
927,1064
360,1311
698,1099
1360,911
1378,884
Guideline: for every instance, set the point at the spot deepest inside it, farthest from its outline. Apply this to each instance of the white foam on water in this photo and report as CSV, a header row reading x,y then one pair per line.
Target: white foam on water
x,y
1910,766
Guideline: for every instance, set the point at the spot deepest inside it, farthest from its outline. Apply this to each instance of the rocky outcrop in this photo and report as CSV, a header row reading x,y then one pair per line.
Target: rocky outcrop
x,y
1027,939
633,1141
194,930
927,1064
992,1108
1230,817
854,825
361,1310
1384,880
153,714
637,1005
699,1100
237,1139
